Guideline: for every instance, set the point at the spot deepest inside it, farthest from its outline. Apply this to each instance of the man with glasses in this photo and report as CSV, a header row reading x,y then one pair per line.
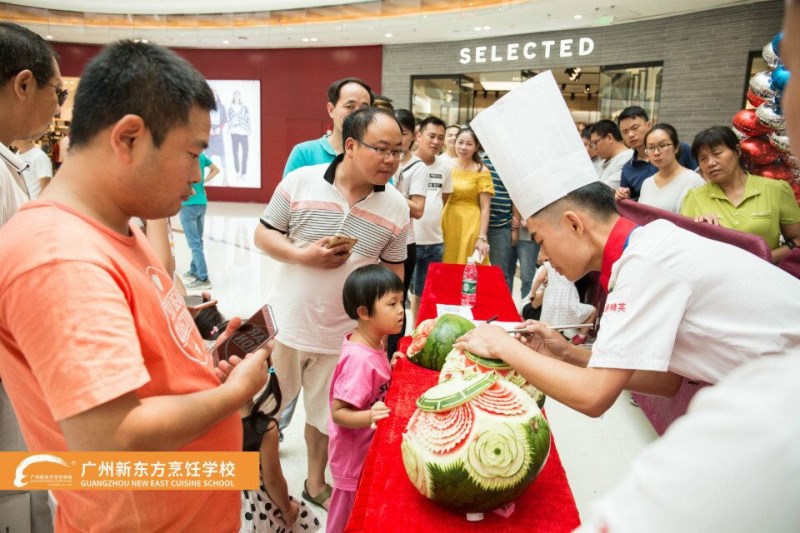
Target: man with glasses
x,y
344,97
310,206
30,96
634,124
605,138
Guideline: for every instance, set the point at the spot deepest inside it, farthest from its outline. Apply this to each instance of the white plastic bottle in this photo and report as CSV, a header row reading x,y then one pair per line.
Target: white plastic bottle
x,y
469,284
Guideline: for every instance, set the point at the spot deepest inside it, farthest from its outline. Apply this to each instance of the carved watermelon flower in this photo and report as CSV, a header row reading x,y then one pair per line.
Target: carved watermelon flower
x,y
498,459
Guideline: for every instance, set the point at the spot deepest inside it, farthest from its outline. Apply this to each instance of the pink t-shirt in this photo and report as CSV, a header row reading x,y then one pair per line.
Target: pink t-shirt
x,y
86,316
361,379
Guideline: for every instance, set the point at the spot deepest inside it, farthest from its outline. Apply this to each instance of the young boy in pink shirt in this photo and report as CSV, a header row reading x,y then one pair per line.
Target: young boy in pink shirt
x,y
373,295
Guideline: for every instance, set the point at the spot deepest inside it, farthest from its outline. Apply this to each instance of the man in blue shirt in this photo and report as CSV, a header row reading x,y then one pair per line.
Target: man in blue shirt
x,y
500,228
634,124
344,97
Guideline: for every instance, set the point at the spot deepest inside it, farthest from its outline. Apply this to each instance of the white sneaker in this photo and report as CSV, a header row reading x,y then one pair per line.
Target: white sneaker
x,y
188,276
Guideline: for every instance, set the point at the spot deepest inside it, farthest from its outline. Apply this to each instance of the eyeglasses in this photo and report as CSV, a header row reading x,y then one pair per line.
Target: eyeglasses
x,y
61,94
384,152
657,148
593,143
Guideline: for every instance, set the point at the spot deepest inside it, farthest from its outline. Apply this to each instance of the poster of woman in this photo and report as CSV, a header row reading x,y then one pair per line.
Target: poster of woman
x,y
235,137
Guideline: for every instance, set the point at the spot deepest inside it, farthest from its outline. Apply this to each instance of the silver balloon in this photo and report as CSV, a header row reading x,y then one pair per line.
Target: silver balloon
x,y
768,116
780,141
739,134
760,85
769,55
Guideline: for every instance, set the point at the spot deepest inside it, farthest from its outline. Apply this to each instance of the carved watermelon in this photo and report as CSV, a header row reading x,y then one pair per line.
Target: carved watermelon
x,y
433,339
459,363
475,443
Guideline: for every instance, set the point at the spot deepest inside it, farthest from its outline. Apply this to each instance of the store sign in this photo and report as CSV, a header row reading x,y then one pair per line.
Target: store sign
x,y
529,50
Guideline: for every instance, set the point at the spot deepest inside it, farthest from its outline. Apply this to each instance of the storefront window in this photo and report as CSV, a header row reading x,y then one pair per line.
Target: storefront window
x,y
623,86
447,97
591,93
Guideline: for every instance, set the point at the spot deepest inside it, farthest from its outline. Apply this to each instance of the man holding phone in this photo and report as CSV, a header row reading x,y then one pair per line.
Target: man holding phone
x,y
97,349
350,195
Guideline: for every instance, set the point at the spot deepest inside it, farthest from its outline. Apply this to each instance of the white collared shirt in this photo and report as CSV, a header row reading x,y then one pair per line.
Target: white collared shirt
x,y
12,194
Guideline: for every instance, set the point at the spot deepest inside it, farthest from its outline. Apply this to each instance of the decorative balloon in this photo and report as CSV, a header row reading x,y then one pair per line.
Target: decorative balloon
x,y
748,123
776,43
769,55
770,116
774,171
760,85
754,99
758,151
780,141
779,78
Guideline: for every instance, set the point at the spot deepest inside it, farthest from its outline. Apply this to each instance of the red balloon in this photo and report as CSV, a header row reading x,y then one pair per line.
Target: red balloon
x,y
754,99
759,151
747,122
776,172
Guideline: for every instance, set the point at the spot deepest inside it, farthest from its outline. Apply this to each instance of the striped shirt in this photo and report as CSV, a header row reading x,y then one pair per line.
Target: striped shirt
x,y
306,206
500,208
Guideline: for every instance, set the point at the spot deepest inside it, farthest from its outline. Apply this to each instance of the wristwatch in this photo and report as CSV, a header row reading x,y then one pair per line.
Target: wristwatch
x,y
791,244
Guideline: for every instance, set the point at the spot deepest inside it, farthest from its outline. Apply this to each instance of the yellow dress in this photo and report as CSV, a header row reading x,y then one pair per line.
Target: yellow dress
x,y
461,217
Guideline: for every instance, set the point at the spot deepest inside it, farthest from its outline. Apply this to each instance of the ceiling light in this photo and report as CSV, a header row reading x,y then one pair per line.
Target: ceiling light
x,y
49,37
305,39
578,17
145,41
389,35
313,39
477,28
226,42
588,88
487,28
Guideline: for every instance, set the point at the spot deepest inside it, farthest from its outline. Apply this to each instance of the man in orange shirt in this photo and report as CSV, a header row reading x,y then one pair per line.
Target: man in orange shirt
x,y
97,349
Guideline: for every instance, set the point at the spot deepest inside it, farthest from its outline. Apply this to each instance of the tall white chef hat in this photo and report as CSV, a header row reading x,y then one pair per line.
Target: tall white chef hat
x,y
534,145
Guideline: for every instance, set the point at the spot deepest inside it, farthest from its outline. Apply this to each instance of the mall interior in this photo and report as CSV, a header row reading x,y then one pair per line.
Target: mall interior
x,y
687,63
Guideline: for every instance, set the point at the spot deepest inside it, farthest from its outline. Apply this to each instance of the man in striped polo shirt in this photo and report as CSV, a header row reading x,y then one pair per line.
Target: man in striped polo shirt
x,y
348,197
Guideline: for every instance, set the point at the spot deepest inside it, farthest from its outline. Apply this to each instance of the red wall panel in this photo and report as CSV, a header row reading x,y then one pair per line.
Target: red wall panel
x,y
294,85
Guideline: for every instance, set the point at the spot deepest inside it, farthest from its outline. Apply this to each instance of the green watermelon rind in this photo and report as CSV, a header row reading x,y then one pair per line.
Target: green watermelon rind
x,y
452,487
473,386
497,364
448,328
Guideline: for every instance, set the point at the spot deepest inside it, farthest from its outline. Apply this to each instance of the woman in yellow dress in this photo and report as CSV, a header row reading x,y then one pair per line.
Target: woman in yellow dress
x,y
465,218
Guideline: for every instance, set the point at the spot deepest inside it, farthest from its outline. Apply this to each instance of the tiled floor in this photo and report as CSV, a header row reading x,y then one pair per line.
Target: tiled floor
x,y
596,452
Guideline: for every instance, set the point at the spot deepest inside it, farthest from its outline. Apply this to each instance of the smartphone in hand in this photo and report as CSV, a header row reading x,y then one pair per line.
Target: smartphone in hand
x,y
336,240
250,336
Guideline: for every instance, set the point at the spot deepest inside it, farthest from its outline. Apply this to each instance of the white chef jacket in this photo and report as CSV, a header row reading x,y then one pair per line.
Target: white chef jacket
x,y
731,464
692,305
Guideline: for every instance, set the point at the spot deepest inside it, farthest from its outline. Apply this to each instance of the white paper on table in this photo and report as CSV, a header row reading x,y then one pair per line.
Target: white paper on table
x,y
443,309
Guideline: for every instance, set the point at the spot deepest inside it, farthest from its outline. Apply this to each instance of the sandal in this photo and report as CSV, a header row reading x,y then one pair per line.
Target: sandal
x,y
320,498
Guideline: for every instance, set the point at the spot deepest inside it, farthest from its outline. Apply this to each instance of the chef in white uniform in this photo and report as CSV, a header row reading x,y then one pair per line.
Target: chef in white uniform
x,y
679,305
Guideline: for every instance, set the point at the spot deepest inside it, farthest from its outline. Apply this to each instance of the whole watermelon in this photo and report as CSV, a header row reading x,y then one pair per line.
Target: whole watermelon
x,y
475,444
433,339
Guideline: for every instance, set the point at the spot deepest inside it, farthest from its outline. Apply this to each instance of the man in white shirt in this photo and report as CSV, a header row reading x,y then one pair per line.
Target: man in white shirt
x,y
30,95
606,139
428,229
348,197
40,168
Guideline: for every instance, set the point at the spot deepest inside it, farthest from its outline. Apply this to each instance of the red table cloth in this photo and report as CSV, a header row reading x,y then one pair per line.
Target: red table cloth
x,y
386,500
